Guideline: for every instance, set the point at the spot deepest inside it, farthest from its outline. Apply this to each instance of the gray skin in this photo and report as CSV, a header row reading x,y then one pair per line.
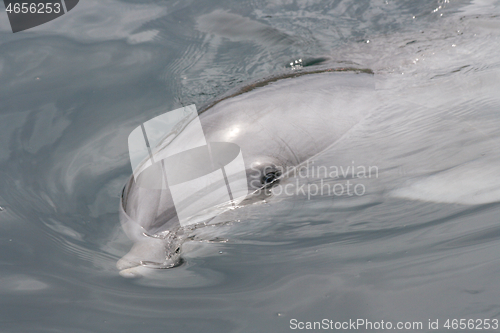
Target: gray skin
x,y
277,123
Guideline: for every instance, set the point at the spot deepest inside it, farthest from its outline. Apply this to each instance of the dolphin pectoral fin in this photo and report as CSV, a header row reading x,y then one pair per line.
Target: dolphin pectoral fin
x,y
472,183
146,254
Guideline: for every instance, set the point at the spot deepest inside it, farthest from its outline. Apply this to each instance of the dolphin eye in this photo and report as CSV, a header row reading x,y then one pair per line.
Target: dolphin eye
x,y
270,177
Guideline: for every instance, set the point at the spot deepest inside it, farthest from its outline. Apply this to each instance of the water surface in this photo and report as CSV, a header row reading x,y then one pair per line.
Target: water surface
x,y
418,245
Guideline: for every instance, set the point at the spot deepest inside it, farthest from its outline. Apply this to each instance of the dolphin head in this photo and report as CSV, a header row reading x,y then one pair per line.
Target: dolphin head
x,y
244,145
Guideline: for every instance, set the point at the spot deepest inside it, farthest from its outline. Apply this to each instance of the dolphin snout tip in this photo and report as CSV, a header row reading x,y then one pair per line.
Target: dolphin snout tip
x,y
134,272
130,268
144,255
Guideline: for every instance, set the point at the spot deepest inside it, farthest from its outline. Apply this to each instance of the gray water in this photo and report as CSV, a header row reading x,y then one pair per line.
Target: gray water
x,y
421,244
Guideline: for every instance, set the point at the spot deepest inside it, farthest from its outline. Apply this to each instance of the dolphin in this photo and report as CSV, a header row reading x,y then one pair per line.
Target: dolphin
x,y
279,123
